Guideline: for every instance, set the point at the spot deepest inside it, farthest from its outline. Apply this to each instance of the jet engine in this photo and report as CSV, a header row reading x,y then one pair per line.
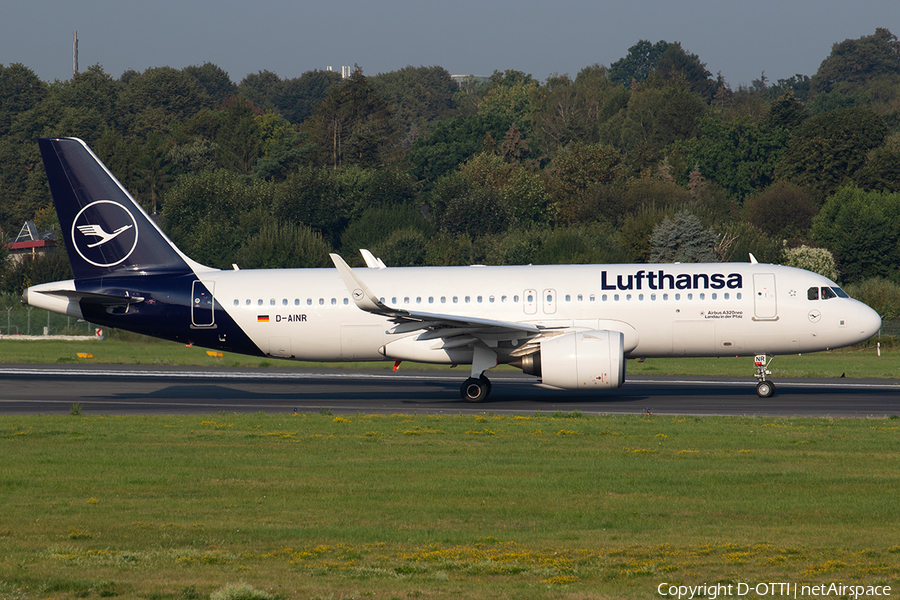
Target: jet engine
x,y
582,360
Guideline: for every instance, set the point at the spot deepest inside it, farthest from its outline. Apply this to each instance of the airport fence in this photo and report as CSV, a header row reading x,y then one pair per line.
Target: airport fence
x,y
28,320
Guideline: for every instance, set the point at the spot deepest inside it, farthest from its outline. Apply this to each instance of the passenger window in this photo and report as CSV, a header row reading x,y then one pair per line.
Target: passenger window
x,y
430,299
406,300
828,293
479,299
812,293
296,301
259,302
725,296
516,298
502,298
309,301
284,302
468,299
346,301
603,297
738,295
237,302
272,302
593,298
678,296
321,301
455,299
491,299
568,298
443,299
616,297
714,296
333,301
247,302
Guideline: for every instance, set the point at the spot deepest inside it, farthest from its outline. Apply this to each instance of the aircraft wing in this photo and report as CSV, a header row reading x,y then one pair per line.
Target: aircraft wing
x,y
454,330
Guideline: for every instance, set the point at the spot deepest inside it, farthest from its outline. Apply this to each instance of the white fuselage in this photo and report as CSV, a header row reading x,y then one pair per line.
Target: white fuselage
x,y
723,309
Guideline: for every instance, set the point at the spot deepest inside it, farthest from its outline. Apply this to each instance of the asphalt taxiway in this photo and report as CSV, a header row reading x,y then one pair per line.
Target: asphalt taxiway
x,y
126,389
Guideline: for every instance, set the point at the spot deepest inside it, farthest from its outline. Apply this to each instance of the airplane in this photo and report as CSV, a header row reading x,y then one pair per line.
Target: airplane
x,y
572,326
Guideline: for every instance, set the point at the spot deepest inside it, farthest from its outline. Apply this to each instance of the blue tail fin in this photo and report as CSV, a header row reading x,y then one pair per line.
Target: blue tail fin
x,y
106,231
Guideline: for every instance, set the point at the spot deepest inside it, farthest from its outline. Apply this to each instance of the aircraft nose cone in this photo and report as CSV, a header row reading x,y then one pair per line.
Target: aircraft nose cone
x,y
869,321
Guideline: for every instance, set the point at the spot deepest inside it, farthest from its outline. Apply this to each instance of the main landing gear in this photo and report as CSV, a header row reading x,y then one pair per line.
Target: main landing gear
x,y
764,389
475,389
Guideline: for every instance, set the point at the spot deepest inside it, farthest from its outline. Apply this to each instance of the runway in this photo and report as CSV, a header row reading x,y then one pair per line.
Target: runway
x,y
125,389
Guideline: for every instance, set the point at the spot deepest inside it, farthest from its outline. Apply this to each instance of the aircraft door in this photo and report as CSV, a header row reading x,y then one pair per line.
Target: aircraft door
x,y
764,306
203,304
549,297
530,301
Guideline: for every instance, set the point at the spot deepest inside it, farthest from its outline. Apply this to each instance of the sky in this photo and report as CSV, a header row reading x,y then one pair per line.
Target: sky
x,y
739,38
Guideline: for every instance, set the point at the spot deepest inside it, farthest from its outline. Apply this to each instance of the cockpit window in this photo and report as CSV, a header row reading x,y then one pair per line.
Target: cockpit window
x,y
827,294
841,293
812,293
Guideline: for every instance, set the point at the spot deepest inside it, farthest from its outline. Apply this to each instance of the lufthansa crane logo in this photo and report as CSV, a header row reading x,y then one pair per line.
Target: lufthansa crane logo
x,y
104,233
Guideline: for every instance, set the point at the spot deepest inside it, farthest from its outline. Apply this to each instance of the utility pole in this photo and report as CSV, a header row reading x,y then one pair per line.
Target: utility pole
x,y
75,55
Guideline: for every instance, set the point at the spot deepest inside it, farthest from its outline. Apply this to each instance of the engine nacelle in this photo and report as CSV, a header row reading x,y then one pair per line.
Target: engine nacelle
x,y
583,360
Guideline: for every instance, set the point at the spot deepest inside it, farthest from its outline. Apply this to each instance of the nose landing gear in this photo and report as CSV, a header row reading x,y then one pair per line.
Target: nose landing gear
x,y
765,388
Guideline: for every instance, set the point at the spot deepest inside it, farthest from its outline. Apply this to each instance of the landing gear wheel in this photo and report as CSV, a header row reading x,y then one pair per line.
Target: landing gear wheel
x,y
765,389
486,382
475,390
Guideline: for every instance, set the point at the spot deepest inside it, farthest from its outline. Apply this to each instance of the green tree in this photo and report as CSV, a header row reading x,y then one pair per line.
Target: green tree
x,y
214,80
863,230
577,170
352,126
786,112
298,98
782,210
738,155
20,90
284,246
858,61
209,214
677,65
652,120
157,99
417,95
881,173
682,239
262,89
311,195
826,150
451,142
641,60
567,111
376,224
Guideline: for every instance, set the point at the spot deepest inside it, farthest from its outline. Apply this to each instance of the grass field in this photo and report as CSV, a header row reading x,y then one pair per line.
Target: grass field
x,y
851,362
405,506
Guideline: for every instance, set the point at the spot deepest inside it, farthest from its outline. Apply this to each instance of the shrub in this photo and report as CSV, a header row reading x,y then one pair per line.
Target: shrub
x,y
817,260
240,591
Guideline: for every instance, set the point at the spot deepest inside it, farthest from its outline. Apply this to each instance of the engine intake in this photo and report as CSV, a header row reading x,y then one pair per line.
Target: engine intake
x,y
583,360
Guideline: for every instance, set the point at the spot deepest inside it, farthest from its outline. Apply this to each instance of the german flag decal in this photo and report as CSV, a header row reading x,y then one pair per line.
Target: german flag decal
x,y
262,319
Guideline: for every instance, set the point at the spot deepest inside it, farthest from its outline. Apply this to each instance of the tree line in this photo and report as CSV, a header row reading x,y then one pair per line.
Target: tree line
x,y
649,158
